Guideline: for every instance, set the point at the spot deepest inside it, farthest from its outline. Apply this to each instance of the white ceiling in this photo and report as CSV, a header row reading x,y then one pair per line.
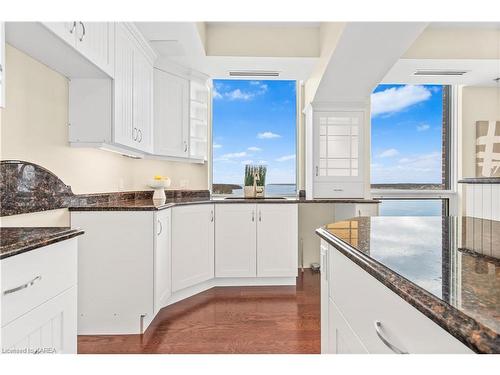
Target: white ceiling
x,y
181,44
465,25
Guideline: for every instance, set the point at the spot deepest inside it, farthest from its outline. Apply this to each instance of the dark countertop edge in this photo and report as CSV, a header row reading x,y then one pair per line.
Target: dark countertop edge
x,y
464,328
480,180
118,206
49,240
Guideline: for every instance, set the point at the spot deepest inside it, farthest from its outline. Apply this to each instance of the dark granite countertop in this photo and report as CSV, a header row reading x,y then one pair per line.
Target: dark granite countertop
x,y
480,180
19,240
446,267
149,205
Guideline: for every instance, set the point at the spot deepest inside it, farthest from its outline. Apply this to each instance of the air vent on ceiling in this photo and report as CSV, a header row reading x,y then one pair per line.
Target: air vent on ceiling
x,y
253,73
440,72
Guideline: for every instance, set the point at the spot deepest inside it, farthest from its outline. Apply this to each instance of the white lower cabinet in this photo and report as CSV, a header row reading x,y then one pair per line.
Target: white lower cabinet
x,y
365,316
236,240
192,245
277,240
39,300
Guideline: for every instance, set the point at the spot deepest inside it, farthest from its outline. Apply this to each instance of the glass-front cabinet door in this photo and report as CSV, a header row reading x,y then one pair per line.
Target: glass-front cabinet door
x,y
338,138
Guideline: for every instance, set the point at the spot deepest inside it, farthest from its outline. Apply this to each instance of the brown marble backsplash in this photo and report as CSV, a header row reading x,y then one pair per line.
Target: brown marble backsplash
x,y
27,187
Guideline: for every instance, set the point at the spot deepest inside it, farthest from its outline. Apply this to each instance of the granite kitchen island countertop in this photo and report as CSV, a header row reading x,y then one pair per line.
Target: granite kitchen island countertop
x,y
448,268
18,240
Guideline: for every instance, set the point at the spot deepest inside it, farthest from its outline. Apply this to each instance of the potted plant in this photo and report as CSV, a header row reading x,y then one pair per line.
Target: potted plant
x,y
248,189
260,171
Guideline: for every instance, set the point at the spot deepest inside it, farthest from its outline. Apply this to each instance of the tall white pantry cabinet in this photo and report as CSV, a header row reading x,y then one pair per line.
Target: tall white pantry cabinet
x,y
335,144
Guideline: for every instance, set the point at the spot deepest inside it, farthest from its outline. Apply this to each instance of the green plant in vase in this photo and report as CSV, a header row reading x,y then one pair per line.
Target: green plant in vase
x,y
248,189
260,172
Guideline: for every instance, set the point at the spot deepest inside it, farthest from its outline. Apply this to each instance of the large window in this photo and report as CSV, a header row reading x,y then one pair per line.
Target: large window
x,y
254,123
409,139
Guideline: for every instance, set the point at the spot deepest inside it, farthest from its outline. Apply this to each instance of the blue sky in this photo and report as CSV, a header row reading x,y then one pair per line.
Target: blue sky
x,y
254,122
406,134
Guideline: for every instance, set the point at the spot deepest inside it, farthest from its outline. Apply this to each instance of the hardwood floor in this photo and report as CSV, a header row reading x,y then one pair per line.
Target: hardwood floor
x,y
277,319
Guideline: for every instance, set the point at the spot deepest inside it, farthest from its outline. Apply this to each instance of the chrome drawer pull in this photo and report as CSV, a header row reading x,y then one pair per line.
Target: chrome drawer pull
x,y
24,286
378,329
161,228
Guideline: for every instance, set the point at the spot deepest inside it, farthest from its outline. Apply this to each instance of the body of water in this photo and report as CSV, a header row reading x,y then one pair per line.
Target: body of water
x,y
273,190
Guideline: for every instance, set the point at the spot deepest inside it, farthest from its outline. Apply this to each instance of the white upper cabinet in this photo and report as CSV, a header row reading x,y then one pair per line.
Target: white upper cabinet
x,y
236,240
124,132
336,153
94,40
171,114
2,64
277,240
143,101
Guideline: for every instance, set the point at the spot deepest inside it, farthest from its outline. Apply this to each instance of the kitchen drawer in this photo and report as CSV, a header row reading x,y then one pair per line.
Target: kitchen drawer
x,y
46,272
341,338
338,190
363,301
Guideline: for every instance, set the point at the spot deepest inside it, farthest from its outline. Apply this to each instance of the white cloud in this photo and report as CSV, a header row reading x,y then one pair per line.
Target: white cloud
x,y
419,168
423,127
262,162
255,83
389,153
396,99
237,94
268,135
216,94
244,162
216,145
234,155
286,158
254,149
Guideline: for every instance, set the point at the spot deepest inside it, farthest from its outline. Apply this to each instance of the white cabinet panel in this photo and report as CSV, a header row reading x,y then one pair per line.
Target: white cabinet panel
x,y
486,212
124,132
235,240
477,197
162,260
277,240
192,245
95,40
469,200
115,271
341,337
171,114
143,102
49,328
324,295
495,202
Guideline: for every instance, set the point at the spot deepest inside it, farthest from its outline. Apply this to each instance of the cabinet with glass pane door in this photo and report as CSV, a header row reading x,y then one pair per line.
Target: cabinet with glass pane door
x,y
337,154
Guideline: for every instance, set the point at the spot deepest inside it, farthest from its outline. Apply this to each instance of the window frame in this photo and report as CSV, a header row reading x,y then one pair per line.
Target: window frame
x,y
450,192
298,113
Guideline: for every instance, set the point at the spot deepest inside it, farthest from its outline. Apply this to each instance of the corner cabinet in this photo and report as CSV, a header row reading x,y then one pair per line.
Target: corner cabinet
x,y
192,245
171,114
335,152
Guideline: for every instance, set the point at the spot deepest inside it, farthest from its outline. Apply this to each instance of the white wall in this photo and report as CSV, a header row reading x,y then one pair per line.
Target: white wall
x,y
34,128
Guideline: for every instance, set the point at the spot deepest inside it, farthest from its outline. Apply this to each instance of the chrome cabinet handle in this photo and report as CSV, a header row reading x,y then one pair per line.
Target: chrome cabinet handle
x,y
253,215
83,31
161,227
139,135
185,146
338,189
316,171
24,286
394,348
260,215
211,215
73,27
134,137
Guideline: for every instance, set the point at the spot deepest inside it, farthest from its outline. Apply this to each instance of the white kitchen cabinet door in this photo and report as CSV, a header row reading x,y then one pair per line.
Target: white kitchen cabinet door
x,y
171,114
2,64
235,240
64,30
143,101
48,328
124,132
324,296
277,240
495,202
477,196
162,260
192,245
95,41
341,338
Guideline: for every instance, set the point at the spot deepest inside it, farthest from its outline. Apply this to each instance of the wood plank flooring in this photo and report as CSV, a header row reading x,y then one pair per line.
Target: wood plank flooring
x,y
270,319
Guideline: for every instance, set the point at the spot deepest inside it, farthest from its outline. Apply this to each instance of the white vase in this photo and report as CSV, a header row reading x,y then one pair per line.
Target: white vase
x,y
159,196
249,192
